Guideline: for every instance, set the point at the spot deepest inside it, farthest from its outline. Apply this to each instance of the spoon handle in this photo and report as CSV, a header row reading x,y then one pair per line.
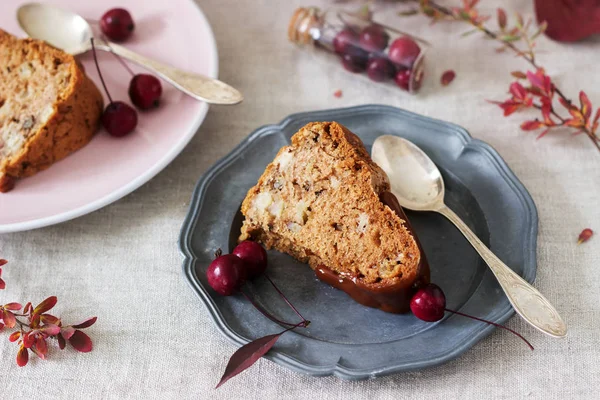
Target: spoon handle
x,y
198,86
527,301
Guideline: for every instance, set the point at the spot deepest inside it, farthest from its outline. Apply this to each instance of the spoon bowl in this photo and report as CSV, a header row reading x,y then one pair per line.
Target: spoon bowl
x,y
418,185
68,31
415,179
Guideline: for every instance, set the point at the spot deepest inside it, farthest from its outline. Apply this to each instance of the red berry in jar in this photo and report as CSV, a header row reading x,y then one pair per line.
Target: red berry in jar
x,y
402,79
373,38
117,24
345,41
380,69
145,91
404,51
119,118
354,63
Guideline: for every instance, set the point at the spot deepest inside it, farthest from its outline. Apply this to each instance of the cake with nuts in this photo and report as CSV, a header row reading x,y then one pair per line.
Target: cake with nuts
x,y
49,108
325,202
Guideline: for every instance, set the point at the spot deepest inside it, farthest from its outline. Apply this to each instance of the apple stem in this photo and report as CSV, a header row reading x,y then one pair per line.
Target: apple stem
x,y
271,317
492,323
100,73
289,303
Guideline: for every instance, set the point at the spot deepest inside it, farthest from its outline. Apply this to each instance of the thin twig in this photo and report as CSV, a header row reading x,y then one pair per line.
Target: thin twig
x,y
284,298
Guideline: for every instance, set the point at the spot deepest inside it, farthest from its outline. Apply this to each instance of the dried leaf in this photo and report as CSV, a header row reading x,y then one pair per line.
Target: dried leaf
x,y
81,342
3,262
13,306
67,332
408,13
1,326
50,329
45,305
41,348
531,125
61,342
14,336
49,319
519,74
501,18
87,323
28,339
467,33
2,284
519,18
447,77
541,135
247,355
22,357
585,235
586,105
9,318
27,308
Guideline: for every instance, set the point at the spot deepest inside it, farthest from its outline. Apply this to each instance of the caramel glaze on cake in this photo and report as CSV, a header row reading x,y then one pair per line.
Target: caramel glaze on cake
x,y
48,107
325,202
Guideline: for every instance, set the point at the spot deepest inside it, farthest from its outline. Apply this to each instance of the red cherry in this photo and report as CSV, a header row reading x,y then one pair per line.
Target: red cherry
x,y
404,51
117,24
345,40
380,69
119,118
428,303
373,38
354,63
145,91
226,274
402,79
254,257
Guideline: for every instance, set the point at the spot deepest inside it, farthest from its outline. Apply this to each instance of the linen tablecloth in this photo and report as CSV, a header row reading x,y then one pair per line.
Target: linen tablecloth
x,y
154,338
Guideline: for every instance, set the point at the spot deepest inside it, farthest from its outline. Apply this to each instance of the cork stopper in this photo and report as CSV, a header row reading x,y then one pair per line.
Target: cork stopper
x,y
303,19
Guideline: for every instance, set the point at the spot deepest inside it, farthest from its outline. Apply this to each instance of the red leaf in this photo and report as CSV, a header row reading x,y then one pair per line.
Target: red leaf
x,y
45,305
50,329
61,342
247,355
531,125
3,262
519,74
9,318
67,332
41,347
586,105
501,18
14,336
1,326
22,357
12,306
517,90
49,319
585,235
337,93
447,77
2,284
541,135
86,324
27,308
28,339
81,342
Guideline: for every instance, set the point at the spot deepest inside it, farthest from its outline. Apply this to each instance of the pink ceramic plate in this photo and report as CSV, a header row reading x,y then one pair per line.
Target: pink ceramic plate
x,y
175,32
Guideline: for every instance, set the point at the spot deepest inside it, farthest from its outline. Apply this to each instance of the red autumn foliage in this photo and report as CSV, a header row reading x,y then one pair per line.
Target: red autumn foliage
x,y
34,328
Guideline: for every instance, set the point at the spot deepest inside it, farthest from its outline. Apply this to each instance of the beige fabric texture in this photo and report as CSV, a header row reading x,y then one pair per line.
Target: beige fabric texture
x,y
154,338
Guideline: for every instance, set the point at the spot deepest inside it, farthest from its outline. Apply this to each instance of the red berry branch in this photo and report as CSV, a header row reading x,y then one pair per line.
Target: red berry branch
x,y
540,92
34,327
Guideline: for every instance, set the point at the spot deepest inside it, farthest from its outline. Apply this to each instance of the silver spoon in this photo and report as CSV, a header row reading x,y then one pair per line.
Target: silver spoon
x,y
71,33
418,185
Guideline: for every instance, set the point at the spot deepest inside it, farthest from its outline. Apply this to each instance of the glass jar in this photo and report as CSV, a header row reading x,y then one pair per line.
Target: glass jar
x,y
363,46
